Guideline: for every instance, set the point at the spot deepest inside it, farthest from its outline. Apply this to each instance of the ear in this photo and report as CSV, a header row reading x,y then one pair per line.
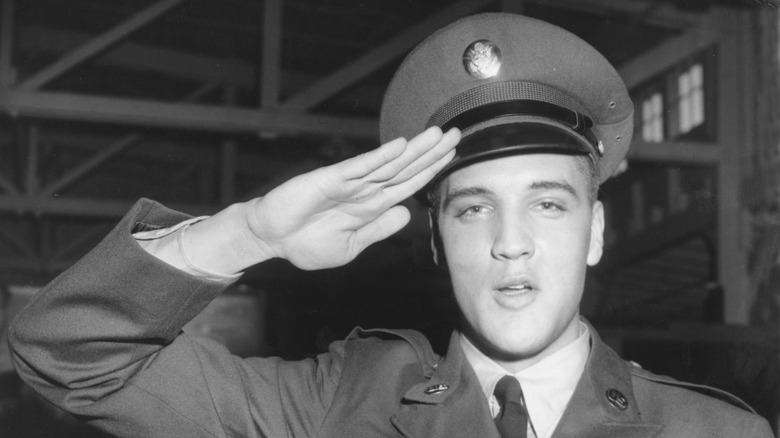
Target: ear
x,y
433,229
596,248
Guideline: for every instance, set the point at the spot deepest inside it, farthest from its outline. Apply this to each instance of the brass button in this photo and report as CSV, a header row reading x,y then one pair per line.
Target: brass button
x,y
617,399
435,389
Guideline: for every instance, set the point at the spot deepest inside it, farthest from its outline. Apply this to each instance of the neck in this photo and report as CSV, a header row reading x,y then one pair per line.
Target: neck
x,y
514,362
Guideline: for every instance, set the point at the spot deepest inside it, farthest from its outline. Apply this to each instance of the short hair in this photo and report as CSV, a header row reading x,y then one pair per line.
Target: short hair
x,y
585,164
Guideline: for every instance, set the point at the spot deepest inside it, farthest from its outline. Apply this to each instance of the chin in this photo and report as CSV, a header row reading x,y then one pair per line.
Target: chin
x,y
503,349
512,352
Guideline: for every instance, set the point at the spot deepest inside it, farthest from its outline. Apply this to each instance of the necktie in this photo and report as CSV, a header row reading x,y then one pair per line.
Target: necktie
x,y
512,421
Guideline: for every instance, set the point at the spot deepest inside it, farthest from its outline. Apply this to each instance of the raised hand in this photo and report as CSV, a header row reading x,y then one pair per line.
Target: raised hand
x,y
326,217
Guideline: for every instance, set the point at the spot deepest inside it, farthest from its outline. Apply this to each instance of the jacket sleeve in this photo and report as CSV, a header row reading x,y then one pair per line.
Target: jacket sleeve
x,y
104,342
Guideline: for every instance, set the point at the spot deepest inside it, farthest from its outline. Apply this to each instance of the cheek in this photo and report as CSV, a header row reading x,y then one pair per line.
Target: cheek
x,y
462,245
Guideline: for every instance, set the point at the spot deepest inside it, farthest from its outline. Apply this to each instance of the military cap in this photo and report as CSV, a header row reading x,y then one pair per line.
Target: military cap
x,y
511,84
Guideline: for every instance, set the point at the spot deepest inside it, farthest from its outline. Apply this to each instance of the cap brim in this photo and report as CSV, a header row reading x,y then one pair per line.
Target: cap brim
x,y
509,139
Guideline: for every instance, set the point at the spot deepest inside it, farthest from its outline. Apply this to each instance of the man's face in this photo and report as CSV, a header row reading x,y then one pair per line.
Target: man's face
x,y
518,233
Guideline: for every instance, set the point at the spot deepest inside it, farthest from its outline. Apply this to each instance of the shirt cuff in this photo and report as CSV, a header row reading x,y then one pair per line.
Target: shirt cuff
x,y
177,246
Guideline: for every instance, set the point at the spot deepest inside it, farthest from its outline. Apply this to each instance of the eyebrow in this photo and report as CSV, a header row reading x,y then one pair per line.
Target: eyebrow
x,y
453,196
554,185
463,193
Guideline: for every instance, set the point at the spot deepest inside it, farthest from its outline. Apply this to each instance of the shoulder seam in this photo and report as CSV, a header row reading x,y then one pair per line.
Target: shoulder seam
x,y
709,391
416,340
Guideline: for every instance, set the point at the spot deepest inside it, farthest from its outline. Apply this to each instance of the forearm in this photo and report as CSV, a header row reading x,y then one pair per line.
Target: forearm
x,y
97,323
218,247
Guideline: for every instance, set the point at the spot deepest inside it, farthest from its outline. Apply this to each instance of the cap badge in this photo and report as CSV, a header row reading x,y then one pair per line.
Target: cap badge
x,y
482,59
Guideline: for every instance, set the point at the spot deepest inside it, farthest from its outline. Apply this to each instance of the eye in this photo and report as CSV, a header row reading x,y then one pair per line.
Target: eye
x,y
474,210
550,208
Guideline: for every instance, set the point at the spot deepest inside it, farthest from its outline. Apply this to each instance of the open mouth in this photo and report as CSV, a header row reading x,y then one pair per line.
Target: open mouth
x,y
515,288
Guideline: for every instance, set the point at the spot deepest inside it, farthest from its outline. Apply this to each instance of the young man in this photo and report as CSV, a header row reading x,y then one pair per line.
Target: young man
x,y
539,119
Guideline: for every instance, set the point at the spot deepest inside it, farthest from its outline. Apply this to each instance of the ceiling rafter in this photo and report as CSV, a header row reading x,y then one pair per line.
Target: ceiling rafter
x,y
380,56
230,71
674,152
70,106
8,186
37,205
653,12
270,69
111,150
105,154
98,44
138,56
6,43
666,55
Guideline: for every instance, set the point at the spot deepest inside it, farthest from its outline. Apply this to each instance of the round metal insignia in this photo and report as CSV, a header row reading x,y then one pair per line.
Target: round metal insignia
x,y
482,59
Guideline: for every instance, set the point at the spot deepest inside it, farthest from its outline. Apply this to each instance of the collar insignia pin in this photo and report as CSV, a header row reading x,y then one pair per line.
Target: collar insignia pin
x,y
435,389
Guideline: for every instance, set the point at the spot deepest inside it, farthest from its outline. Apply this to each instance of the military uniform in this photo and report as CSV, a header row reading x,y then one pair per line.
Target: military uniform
x,y
115,357
103,340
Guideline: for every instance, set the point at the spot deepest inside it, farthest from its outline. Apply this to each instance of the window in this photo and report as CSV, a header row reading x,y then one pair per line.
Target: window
x,y
691,95
653,118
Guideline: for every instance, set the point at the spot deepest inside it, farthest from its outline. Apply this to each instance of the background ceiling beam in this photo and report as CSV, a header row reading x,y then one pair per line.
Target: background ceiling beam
x,y
84,207
8,186
667,55
674,152
98,44
40,40
270,68
6,43
654,12
110,151
379,57
65,106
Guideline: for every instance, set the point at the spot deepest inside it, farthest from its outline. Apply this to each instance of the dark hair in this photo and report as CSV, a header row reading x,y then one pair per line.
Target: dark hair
x,y
585,164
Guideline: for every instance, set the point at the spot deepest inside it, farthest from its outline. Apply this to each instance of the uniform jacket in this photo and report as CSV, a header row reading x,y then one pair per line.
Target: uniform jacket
x,y
104,342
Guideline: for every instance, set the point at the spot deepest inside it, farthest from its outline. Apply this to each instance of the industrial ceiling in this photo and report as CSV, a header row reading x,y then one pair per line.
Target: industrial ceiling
x,y
200,103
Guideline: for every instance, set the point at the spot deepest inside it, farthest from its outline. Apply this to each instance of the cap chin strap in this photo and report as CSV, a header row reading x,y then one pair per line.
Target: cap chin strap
x,y
578,122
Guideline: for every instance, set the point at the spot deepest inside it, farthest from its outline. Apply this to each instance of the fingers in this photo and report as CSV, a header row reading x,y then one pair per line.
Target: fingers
x,y
409,187
384,226
418,147
365,164
408,183
387,161
432,158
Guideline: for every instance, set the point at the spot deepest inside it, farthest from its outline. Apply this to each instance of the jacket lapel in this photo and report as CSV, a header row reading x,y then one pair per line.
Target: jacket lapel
x,y
603,404
451,403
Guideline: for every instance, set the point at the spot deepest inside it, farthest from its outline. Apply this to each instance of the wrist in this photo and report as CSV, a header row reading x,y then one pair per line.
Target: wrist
x,y
224,242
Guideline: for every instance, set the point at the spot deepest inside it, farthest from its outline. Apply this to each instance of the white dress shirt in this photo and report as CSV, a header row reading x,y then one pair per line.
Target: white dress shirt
x,y
159,244
547,385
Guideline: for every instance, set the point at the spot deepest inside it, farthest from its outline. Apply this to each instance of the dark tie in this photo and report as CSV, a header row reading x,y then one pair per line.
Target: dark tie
x,y
512,421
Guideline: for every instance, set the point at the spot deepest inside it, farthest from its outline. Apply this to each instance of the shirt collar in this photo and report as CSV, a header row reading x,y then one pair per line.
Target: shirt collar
x,y
547,385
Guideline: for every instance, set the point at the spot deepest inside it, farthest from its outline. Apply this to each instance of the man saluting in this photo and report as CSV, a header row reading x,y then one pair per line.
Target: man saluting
x,y
540,119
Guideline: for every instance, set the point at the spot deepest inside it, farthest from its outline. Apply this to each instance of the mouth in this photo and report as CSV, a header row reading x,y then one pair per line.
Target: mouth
x,y
516,286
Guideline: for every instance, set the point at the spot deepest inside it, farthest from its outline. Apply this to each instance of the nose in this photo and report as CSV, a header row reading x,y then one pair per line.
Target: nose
x,y
513,240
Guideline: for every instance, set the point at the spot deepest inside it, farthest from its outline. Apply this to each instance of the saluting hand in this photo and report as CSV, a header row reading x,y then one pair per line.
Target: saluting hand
x,y
325,218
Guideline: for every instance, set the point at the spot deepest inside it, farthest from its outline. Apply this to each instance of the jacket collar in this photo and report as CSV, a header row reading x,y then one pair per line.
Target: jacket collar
x,y
452,402
603,404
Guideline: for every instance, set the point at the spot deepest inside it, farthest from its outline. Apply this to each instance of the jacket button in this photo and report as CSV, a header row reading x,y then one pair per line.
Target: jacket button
x,y
435,389
617,399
